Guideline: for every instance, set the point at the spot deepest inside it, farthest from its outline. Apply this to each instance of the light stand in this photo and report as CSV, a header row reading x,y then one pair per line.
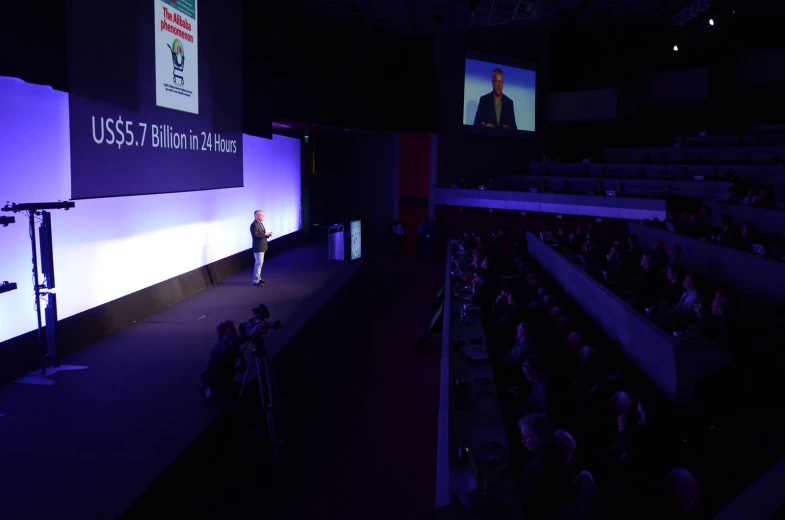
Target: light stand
x,y
6,286
50,358
259,361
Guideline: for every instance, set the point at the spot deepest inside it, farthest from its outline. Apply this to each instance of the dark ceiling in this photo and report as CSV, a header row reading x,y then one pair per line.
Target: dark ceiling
x,y
432,17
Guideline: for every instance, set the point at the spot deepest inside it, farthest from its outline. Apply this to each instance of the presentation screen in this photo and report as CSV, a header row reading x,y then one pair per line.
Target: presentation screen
x,y
155,96
498,97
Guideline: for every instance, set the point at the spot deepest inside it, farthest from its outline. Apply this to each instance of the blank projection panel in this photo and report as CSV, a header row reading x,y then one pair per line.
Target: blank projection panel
x,y
583,105
680,85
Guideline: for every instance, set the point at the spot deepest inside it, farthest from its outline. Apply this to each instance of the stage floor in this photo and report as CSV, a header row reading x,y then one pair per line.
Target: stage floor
x,y
90,445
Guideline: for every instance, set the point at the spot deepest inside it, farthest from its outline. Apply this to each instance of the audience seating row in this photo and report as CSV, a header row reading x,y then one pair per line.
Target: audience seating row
x,y
767,221
644,188
604,207
749,274
687,154
732,140
581,430
674,365
656,171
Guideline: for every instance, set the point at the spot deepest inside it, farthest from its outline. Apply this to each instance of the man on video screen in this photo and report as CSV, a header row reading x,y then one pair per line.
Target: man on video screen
x,y
495,109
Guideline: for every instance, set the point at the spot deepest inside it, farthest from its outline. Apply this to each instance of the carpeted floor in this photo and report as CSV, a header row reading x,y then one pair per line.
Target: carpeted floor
x,y
358,412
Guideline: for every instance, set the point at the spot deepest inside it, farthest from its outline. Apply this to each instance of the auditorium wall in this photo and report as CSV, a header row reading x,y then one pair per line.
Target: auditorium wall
x,y
108,248
355,176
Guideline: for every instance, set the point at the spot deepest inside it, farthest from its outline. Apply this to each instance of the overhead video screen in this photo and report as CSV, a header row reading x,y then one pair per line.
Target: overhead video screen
x,y
498,98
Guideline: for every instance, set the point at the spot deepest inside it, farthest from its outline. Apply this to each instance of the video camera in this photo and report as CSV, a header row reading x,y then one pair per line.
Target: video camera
x,y
261,314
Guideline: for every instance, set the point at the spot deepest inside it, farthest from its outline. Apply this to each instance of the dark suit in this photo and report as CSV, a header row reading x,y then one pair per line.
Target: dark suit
x,y
486,112
259,247
259,241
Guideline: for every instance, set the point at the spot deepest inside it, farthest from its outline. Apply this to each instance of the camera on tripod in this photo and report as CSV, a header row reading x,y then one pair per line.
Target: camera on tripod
x,y
261,315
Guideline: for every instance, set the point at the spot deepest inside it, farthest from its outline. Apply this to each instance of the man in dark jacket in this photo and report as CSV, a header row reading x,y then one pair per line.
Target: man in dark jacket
x,y
259,237
496,110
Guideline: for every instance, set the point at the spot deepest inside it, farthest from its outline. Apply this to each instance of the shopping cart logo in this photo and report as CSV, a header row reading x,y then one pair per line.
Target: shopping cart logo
x,y
178,60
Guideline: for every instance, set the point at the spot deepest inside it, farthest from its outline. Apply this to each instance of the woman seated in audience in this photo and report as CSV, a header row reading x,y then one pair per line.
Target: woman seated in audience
x,y
599,189
621,191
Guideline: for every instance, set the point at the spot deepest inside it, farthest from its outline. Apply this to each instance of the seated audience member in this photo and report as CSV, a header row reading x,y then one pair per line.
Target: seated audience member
x,y
614,267
545,234
747,237
604,173
482,291
659,257
511,316
683,312
733,195
501,304
543,479
726,235
634,433
674,255
544,188
749,200
491,184
565,188
670,293
717,324
462,183
621,191
641,173
591,253
599,189
704,215
694,227
523,347
540,398
633,255
645,281
764,199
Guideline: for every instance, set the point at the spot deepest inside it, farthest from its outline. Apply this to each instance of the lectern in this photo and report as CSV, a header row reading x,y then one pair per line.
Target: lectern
x,y
344,241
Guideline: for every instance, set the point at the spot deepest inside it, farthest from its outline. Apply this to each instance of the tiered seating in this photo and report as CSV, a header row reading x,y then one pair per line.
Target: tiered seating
x,y
588,432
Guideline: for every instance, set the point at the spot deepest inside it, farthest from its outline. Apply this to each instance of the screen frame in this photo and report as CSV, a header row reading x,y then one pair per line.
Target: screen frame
x,y
503,61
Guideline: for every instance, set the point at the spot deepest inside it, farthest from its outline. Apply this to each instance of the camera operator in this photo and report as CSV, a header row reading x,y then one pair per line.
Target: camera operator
x,y
226,358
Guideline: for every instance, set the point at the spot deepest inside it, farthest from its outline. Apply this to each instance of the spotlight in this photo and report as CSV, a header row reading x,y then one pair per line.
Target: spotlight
x,y
711,21
676,48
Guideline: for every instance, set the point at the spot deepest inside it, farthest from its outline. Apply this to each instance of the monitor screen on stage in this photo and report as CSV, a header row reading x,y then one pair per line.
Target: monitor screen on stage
x,y
498,97
355,228
155,96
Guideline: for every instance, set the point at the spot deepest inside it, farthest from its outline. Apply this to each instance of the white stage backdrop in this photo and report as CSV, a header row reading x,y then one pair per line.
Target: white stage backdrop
x,y
107,248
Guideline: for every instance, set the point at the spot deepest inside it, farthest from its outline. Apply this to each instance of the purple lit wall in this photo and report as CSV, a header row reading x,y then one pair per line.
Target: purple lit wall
x,y
107,248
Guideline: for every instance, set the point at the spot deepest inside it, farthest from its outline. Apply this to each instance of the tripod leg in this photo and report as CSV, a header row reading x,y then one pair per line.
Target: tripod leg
x,y
269,412
245,380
